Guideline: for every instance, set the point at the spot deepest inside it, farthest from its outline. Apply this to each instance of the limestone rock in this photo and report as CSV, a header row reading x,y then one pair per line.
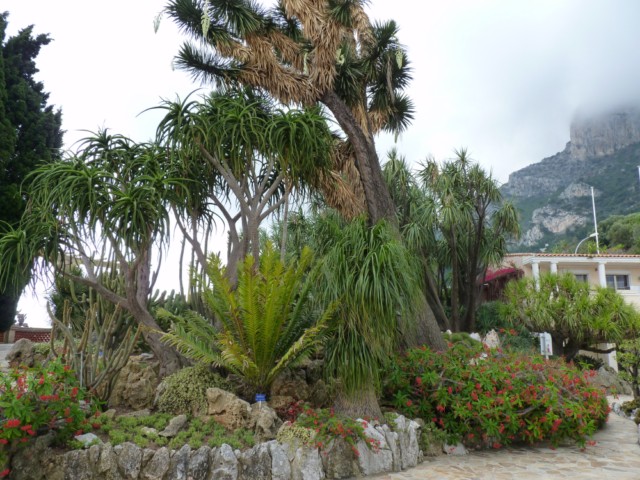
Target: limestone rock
x,y
281,403
609,380
408,435
136,384
180,463
77,465
280,467
199,464
255,463
339,461
38,462
307,465
129,459
456,450
22,353
175,425
107,464
264,421
88,439
227,409
291,383
491,339
376,459
158,466
224,464
320,396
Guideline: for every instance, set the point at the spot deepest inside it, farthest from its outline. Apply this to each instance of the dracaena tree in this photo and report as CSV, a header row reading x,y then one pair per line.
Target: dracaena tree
x,y
308,53
105,209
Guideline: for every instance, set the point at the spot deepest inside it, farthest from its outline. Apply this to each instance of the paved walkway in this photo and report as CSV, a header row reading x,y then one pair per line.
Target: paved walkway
x,y
616,455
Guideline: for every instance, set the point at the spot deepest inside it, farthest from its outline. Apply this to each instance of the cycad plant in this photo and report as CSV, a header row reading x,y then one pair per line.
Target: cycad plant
x,y
268,321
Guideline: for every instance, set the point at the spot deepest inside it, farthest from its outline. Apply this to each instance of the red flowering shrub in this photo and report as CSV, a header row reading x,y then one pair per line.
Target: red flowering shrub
x,y
42,399
495,398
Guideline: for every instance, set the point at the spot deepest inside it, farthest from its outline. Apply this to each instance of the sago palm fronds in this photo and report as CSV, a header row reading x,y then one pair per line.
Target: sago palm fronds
x,y
268,322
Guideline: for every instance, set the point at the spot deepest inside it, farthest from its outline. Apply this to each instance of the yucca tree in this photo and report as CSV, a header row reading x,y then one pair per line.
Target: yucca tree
x,y
452,217
106,209
305,52
246,157
577,316
268,322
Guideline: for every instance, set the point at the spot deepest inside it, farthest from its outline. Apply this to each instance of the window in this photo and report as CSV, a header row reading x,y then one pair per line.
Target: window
x,y
618,282
582,277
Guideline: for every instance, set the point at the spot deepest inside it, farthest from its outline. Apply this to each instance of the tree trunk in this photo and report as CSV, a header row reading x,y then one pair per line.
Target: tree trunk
x,y
361,404
8,308
380,205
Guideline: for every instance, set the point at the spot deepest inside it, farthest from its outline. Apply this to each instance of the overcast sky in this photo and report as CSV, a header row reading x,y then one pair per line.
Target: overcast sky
x,y
500,77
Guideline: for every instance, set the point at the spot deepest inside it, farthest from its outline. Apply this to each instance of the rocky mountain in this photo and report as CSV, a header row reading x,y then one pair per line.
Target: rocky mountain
x,y
554,195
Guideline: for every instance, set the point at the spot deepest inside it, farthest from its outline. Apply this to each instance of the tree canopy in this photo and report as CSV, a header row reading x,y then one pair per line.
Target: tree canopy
x,y
30,134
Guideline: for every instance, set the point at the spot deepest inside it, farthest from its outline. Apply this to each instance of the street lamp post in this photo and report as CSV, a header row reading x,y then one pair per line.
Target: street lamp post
x,y
595,234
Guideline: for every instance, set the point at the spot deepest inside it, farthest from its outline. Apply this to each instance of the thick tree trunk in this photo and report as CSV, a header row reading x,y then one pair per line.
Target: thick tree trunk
x,y
361,404
380,205
8,308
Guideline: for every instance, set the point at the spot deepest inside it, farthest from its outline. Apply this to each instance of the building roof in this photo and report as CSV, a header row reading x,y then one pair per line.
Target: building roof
x,y
492,275
573,255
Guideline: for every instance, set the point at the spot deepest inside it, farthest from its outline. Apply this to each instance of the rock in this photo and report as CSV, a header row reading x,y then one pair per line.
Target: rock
x,y
265,422
393,442
457,450
376,458
158,466
408,436
136,384
149,432
339,461
307,464
107,464
87,439
291,383
175,425
129,459
77,465
280,467
22,353
255,464
199,464
180,463
319,395
608,379
314,371
227,409
224,464
281,403
38,462
110,414
491,339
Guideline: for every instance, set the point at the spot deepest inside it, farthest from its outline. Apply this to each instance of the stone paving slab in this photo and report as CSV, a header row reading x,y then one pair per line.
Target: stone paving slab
x,y
615,455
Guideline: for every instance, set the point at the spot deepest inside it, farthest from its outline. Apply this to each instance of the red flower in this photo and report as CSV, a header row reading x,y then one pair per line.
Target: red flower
x,y
409,403
5,472
3,441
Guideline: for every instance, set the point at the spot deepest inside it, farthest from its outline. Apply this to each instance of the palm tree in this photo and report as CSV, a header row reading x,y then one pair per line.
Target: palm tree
x,y
453,218
106,208
246,158
370,274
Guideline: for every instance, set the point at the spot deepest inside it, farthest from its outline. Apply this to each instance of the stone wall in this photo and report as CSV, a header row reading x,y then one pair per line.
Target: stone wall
x,y
398,450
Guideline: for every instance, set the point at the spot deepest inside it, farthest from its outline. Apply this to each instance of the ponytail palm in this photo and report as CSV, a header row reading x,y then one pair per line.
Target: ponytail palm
x,y
268,322
370,272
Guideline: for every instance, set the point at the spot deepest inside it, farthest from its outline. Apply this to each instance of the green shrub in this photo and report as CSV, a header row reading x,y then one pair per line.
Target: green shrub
x,y
585,362
186,390
41,399
495,398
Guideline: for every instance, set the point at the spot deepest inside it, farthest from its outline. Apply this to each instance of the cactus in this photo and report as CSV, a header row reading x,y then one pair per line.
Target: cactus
x,y
102,350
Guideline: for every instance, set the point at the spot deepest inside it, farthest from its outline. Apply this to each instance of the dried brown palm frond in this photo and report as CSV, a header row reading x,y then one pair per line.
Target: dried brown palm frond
x,y
362,25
